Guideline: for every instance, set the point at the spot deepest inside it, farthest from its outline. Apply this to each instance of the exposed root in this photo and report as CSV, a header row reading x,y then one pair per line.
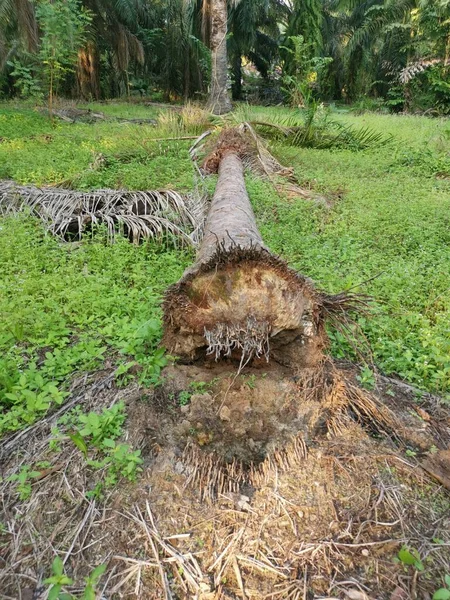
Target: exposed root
x,y
344,402
250,338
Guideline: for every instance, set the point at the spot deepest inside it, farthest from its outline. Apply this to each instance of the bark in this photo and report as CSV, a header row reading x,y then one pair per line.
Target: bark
x,y
239,300
219,101
88,72
237,76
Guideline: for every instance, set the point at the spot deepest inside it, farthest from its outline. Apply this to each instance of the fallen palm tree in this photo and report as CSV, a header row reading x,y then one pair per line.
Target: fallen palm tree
x,y
137,214
258,484
238,299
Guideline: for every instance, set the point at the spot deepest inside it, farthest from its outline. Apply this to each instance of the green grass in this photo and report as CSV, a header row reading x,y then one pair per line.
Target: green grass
x,y
66,308
32,150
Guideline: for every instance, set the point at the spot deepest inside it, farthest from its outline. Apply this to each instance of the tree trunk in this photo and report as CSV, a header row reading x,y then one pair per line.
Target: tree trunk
x,y
238,300
88,72
237,76
219,101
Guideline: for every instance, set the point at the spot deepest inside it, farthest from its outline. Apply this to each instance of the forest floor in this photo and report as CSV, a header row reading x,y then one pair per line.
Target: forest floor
x,y
326,516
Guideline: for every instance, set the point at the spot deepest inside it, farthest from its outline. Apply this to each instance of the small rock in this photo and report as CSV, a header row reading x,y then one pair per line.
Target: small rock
x,y
225,413
365,552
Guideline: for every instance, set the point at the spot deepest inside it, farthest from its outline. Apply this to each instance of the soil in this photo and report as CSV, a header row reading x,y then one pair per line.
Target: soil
x,y
253,486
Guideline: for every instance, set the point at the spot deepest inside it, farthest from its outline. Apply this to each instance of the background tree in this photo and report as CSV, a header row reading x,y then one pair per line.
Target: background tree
x,y
62,25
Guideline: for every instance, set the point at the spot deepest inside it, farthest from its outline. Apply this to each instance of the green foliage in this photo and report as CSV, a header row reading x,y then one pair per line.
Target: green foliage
x,y
97,428
366,378
304,73
25,80
195,387
92,582
315,128
66,307
59,579
444,592
95,435
410,557
62,24
24,480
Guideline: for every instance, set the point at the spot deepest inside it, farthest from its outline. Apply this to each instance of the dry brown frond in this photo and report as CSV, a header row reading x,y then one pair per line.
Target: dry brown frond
x,y
137,214
411,71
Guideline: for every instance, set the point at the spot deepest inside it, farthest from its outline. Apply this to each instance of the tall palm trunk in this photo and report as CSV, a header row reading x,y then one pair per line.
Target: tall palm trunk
x,y
88,72
237,76
238,299
219,100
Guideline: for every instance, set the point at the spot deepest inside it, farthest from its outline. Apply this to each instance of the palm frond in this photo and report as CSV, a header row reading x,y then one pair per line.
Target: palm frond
x,y
322,134
136,214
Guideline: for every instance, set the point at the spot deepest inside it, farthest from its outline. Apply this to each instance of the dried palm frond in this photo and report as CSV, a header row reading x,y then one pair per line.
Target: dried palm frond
x,y
137,214
411,71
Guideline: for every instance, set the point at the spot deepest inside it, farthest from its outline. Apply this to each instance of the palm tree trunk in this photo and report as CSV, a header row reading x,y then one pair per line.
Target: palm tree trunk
x,y
237,76
88,72
238,300
219,100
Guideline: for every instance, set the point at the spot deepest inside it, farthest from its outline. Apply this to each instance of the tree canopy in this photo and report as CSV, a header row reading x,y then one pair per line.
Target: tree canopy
x,y
395,52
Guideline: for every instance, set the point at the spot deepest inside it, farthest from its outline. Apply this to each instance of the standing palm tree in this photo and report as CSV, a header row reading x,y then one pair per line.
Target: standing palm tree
x,y
219,100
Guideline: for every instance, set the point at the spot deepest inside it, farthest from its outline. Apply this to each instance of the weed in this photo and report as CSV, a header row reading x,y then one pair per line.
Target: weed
x,y
443,593
366,378
195,387
251,381
97,433
58,580
24,480
184,397
410,557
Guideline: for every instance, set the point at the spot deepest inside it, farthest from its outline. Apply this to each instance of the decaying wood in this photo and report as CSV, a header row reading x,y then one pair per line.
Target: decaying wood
x,y
238,299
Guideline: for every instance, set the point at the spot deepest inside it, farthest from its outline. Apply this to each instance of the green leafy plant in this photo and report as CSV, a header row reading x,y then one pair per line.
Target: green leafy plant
x,y
26,81
24,480
195,387
184,397
443,593
366,378
411,557
98,432
62,25
92,580
57,581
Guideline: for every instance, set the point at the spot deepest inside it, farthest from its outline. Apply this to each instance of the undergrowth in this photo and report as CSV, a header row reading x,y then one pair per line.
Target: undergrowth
x,y
70,308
